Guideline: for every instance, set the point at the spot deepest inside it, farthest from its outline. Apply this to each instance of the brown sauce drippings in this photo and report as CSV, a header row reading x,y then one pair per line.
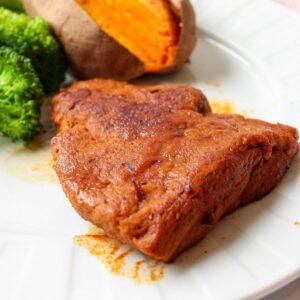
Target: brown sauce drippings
x,y
119,259
213,83
226,107
33,163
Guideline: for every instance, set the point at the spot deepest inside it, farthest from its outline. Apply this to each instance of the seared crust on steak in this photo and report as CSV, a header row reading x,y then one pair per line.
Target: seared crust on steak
x,y
154,167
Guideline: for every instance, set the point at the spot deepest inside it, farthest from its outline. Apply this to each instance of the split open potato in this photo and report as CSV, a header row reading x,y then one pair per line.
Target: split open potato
x,y
120,39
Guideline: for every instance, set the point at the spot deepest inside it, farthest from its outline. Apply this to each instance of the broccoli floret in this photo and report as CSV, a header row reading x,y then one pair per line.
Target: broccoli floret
x,y
12,4
20,97
33,39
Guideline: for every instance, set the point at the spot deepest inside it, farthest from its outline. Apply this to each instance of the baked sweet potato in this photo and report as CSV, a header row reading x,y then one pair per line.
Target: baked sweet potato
x,y
120,39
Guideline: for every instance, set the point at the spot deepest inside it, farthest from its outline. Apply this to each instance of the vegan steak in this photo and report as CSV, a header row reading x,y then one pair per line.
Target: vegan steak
x,y
154,168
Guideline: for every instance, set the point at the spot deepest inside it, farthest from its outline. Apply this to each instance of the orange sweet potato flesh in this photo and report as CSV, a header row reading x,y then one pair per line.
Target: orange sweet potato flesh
x,y
147,28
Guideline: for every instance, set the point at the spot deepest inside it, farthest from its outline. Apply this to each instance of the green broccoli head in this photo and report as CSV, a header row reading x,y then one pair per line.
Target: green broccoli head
x,y
33,39
20,97
12,4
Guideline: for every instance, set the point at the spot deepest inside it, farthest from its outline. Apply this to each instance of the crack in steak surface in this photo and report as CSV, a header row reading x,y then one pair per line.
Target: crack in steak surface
x,y
153,167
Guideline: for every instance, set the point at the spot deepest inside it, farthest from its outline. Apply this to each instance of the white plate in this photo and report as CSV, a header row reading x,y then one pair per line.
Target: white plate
x,y
252,48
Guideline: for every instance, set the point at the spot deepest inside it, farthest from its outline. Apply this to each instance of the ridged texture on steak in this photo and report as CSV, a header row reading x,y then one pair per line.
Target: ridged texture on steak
x,y
155,168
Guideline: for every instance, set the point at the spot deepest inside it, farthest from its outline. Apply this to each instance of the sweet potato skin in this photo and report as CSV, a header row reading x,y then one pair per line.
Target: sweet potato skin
x,y
92,53
188,35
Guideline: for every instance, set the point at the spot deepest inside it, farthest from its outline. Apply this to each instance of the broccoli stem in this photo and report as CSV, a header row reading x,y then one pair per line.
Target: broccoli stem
x,y
15,5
